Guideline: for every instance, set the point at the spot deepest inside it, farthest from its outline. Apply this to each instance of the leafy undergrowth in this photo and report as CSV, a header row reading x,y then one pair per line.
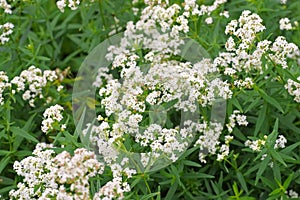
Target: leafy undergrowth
x,y
153,99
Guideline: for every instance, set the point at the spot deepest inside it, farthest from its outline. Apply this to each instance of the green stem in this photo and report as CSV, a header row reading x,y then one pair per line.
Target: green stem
x,y
8,117
147,185
102,14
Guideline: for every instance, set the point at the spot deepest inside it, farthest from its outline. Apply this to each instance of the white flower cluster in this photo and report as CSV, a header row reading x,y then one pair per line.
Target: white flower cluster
x,y
283,1
52,115
4,5
191,7
32,81
4,83
61,176
160,81
167,81
293,88
257,145
292,194
155,2
158,29
224,149
246,28
246,83
6,30
116,188
99,136
238,57
72,4
209,140
102,75
162,141
281,50
236,118
245,52
285,24
280,142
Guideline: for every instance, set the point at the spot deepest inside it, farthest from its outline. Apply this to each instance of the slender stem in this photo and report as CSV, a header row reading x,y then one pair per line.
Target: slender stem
x,y
102,14
147,185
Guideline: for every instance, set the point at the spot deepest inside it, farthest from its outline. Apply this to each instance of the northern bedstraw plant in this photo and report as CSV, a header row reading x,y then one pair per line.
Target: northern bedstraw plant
x,y
251,63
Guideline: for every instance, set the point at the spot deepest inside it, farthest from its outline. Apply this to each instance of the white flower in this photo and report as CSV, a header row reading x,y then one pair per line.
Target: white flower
x,y
293,194
209,141
230,44
209,20
72,4
293,89
283,1
4,83
5,6
61,4
32,81
256,145
285,24
234,118
280,142
6,30
59,88
225,14
51,115
62,176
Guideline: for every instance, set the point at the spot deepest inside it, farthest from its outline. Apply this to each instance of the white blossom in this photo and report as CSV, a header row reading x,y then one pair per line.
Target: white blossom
x,y
280,142
293,88
51,115
6,30
285,24
62,176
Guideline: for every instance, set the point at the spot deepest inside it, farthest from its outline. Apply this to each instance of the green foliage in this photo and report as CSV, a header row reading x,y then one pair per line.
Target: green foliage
x,y
46,38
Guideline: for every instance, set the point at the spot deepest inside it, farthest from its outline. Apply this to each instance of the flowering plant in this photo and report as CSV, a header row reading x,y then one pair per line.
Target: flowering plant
x,y
149,99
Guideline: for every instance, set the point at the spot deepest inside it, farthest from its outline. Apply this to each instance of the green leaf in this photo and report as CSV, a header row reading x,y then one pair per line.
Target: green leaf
x,y
169,104
43,58
276,191
253,104
6,189
29,123
269,99
4,152
288,181
262,167
290,148
3,163
242,181
277,156
20,132
273,136
171,191
148,196
236,189
191,163
260,120
6,181
269,183
247,198
236,103
197,175
276,171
